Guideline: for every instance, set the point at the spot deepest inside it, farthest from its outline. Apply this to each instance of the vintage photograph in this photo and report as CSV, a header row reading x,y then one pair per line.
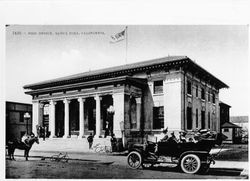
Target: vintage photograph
x,y
126,101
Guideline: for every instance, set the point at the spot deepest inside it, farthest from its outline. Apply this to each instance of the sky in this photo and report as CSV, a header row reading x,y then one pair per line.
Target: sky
x,y
36,53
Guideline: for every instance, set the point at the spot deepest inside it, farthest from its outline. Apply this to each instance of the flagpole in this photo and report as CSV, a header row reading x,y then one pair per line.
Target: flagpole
x,y
126,44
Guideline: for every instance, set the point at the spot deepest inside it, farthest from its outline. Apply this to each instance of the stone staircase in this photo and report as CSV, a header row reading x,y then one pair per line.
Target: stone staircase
x,y
68,145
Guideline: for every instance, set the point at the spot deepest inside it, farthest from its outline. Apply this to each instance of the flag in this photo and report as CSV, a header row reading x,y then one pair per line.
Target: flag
x,y
118,37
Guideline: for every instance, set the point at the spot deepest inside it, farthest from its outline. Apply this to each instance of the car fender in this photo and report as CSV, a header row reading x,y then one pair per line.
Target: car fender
x,y
203,155
139,150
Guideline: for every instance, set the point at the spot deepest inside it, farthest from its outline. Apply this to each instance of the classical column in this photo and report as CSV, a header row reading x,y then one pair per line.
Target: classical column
x,y
36,115
66,118
81,117
138,112
52,120
98,116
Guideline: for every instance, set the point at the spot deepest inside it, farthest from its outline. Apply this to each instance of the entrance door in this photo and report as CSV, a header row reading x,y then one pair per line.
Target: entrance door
x,y
59,126
202,119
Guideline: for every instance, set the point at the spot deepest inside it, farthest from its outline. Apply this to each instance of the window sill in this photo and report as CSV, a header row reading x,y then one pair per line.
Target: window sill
x,y
159,94
135,129
158,130
189,95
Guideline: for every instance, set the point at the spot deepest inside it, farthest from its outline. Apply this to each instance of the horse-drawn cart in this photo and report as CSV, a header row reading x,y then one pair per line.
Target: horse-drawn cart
x,y
192,157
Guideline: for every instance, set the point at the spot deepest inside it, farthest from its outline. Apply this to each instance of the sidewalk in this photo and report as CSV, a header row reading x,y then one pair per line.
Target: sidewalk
x,y
91,156
116,156
81,152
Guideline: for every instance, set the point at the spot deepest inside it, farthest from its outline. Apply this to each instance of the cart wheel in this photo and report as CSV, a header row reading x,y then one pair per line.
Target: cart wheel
x,y
98,150
134,160
190,163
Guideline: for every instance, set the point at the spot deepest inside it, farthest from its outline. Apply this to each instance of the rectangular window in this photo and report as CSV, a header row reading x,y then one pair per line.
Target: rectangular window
x,y
21,118
213,97
208,120
203,93
158,117
158,87
197,119
226,130
189,118
133,115
189,88
202,119
197,91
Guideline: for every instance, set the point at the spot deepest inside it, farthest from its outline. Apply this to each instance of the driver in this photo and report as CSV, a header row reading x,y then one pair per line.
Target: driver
x,y
165,137
25,139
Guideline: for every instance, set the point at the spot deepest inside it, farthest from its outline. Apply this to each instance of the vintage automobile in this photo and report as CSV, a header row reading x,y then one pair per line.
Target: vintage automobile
x,y
191,157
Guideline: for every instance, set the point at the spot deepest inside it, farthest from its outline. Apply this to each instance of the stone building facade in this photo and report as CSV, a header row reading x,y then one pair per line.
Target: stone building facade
x,y
16,123
143,97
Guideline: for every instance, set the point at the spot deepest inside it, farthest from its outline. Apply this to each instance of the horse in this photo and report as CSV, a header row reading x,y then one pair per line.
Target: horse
x,y
12,145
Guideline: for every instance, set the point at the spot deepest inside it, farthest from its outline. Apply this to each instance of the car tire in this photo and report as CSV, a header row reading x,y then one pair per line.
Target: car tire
x,y
134,160
190,163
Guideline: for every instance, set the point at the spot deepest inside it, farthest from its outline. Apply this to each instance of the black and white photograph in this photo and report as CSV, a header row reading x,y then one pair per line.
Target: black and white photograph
x,y
126,101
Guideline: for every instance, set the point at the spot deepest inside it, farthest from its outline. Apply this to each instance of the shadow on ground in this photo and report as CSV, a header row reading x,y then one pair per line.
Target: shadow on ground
x,y
212,171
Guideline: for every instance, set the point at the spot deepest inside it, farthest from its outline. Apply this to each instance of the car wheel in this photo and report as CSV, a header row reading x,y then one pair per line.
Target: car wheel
x,y
134,160
190,163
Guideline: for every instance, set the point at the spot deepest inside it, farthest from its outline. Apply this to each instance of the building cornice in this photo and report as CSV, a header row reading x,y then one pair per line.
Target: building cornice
x,y
77,86
165,63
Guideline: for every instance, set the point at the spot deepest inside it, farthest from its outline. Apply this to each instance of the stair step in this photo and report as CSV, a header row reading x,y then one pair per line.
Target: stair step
x,y
68,144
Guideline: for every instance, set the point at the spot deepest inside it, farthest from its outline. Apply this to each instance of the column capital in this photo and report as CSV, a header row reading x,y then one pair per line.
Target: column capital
x,y
150,83
81,99
35,101
66,101
41,105
52,102
138,100
98,97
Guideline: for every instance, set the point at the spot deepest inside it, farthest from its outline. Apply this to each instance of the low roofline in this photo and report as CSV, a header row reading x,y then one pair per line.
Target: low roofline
x,y
125,70
13,102
208,73
224,104
123,79
230,125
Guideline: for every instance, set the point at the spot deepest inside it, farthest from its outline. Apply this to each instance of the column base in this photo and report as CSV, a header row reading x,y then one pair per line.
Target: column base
x,y
81,136
66,136
53,136
97,136
118,133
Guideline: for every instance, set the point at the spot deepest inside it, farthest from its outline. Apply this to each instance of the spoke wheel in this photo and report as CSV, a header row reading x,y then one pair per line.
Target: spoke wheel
x,y
190,163
98,150
134,160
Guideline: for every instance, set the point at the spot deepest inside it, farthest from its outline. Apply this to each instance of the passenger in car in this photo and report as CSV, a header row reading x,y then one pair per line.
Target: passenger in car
x,y
165,132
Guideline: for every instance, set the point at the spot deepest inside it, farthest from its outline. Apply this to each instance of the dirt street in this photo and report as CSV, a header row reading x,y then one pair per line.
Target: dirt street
x,y
97,167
